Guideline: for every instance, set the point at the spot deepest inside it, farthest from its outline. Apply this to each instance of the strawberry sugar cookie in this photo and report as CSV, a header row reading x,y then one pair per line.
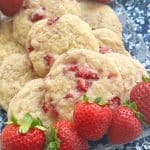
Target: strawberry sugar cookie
x,y
75,73
99,15
15,71
49,38
29,100
109,41
35,10
130,69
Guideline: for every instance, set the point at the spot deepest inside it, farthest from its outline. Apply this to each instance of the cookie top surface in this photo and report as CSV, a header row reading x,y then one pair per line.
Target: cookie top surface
x,y
15,71
29,100
33,11
75,73
109,40
50,38
99,15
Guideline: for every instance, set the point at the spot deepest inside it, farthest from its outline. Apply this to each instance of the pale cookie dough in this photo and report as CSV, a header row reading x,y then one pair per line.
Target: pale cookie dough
x,y
99,15
49,38
15,71
35,10
131,71
9,48
109,41
29,100
5,31
57,8
22,21
77,72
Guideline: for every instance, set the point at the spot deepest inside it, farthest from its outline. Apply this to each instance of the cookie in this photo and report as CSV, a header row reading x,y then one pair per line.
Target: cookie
x,y
99,15
5,31
49,38
28,100
15,71
131,71
8,48
78,72
109,41
22,21
35,10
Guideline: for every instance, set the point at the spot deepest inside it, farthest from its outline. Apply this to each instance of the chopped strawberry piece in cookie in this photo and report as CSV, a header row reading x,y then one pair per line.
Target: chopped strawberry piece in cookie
x,y
111,75
104,50
68,95
49,59
86,73
30,49
52,21
38,14
82,85
73,67
50,109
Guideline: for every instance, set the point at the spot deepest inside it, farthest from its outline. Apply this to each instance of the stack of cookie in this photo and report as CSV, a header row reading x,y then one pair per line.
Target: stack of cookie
x,y
53,52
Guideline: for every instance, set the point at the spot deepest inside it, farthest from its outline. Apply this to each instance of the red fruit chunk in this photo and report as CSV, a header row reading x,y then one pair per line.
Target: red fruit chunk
x,y
92,120
34,139
69,137
82,85
52,21
50,109
10,7
114,102
73,67
141,95
49,59
30,49
86,73
104,50
125,127
68,95
38,15
111,75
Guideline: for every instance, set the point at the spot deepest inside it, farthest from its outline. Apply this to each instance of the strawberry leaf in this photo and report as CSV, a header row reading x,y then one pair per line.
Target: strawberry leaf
x,y
146,79
53,142
100,101
85,98
14,119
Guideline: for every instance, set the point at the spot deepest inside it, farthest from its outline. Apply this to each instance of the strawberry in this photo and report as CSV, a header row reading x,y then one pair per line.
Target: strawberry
x,y
10,7
104,1
24,135
64,136
141,95
92,120
125,126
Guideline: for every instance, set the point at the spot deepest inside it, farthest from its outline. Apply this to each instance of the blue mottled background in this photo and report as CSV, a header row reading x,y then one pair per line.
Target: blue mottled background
x,y
135,18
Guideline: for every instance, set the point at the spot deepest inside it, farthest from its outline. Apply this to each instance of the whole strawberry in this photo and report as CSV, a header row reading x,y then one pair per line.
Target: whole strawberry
x,y
23,137
141,95
10,7
125,126
92,120
64,136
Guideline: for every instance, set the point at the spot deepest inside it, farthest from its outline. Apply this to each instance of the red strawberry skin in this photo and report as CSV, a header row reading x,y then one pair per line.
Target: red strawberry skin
x,y
13,140
141,95
10,7
92,120
125,127
69,137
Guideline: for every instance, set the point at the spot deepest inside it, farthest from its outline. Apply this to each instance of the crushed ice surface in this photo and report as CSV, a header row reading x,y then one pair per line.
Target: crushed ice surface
x,y
136,35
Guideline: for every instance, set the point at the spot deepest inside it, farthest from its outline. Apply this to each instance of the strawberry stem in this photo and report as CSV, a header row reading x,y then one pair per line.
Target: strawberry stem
x,y
53,142
146,79
85,98
100,101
